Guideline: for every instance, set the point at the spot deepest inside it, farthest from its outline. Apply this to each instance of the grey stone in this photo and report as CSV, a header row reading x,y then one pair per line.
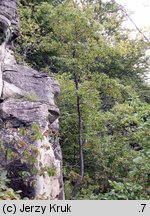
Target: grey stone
x,y
9,17
10,90
28,119
40,85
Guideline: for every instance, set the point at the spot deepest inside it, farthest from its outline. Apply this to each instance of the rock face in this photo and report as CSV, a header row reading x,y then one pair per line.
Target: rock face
x,y
30,150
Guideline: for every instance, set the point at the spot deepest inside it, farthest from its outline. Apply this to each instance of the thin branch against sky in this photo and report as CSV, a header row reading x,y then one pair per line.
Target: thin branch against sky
x,y
140,16
131,20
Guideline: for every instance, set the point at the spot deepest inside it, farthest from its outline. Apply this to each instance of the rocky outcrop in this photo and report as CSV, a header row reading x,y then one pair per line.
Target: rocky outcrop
x,y
30,150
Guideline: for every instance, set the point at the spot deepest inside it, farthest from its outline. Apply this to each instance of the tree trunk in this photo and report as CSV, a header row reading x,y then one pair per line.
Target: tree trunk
x,y
79,180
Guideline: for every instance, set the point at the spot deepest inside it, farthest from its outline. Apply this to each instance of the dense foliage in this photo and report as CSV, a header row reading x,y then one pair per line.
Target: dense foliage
x,y
100,68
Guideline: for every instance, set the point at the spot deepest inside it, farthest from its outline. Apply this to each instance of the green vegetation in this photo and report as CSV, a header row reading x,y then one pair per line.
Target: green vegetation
x,y
105,105
19,160
7,193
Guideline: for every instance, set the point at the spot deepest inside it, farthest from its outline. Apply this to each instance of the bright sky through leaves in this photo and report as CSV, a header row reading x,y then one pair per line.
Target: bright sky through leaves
x,y
140,12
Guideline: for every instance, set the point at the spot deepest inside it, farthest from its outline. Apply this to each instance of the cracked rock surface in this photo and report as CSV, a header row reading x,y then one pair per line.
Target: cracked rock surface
x,y
28,119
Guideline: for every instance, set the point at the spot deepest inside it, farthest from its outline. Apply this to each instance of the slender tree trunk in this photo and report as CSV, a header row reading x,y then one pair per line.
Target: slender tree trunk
x,y
79,180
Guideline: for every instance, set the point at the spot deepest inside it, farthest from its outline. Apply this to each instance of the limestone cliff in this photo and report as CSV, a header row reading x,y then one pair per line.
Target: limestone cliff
x,y
30,150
